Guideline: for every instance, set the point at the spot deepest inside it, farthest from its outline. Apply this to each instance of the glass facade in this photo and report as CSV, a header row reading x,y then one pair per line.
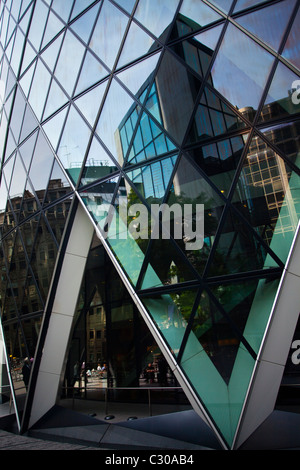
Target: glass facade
x,y
181,102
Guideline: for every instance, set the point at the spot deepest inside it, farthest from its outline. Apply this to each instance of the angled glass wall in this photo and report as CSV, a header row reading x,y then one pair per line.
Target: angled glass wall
x,y
163,102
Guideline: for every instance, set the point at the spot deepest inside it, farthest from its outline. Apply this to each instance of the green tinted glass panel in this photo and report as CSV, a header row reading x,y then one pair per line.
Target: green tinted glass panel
x,y
215,335
166,265
170,313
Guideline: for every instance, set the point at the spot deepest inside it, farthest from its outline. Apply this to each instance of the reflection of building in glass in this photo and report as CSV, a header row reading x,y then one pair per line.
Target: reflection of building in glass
x,y
177,103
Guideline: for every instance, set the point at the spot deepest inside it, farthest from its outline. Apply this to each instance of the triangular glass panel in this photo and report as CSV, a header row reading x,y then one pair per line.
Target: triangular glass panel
x,y
41,166
3,198
171,313
37,24
29,204
10,145
50,54
193,15
213,118
8,218
92,71
215,335
126,4
89,103
79,6
43,258
58,186
37,94
178,90
98,164
54,25
84,25
157,16
7,169
26,150
282,99
70,58
32,301
8,244
269,24
152,180
238,249
137,77
29,56
137,44
248,304
149,141
18,179
197,51
18,270
118,106
220,160
234,72
56,217
29,123
291,50
28,232
267,196
17,114
25,81
71,150
199,223
166,266
54,126
110,24
55,100
63,9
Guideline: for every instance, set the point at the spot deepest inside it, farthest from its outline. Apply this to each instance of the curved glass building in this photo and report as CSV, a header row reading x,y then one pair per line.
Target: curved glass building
x,y
150,202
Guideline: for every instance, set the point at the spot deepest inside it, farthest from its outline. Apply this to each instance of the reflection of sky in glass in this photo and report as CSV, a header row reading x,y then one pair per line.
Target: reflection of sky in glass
x,y
112,24
235,72
156,15
74,141
116,106
281,84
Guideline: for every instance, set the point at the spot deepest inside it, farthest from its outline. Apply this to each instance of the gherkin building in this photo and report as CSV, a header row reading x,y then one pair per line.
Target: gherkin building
x,y
111,106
